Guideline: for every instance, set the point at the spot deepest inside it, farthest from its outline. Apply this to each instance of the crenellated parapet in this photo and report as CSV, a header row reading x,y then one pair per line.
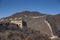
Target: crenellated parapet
x,y
17,21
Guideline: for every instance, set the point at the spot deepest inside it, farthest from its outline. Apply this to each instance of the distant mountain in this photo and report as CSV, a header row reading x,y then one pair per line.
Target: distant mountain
x,y
37,21
28,13
25,13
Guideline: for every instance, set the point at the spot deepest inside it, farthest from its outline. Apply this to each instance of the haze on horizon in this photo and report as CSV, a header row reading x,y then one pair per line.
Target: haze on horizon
x,y
9,7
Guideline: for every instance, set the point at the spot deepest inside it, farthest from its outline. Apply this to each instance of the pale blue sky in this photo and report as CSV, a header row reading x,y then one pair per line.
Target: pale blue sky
x,y
9,7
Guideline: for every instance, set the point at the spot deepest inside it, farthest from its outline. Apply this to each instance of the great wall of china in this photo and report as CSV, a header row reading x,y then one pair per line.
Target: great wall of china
x,y
19,22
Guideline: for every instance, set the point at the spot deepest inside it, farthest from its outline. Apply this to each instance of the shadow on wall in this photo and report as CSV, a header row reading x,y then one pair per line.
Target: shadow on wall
x,y
24,24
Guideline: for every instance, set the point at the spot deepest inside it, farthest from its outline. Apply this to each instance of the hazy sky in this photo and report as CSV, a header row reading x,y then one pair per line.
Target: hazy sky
x,y
9,7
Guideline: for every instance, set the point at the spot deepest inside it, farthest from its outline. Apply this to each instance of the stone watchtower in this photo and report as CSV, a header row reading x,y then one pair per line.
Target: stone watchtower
x,y
18,22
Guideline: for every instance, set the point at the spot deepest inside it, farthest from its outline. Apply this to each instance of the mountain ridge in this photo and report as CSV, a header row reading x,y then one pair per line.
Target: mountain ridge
x,y
35,20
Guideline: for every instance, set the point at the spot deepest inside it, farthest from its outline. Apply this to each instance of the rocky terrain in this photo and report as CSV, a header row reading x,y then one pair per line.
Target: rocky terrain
x,y
38,26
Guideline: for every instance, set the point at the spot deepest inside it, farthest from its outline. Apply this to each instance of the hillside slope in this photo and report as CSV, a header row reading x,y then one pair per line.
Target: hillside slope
x,y
36,21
